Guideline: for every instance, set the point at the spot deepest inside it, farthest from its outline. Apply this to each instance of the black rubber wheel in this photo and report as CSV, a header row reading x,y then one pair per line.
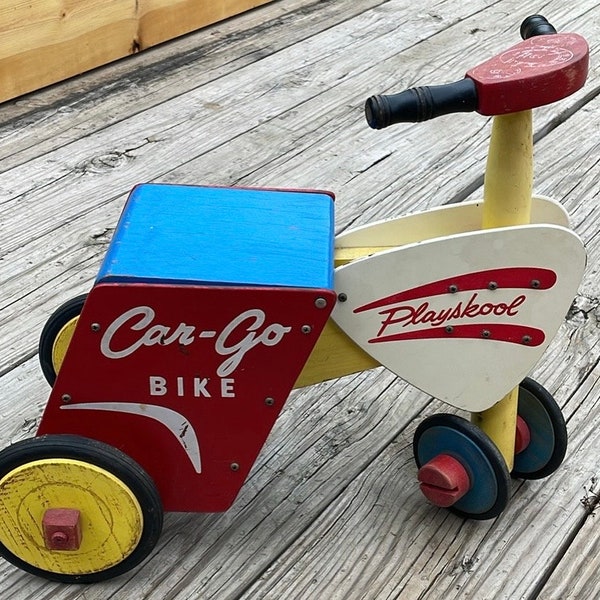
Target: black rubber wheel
x,y
488,474
92,477
548,430
54,325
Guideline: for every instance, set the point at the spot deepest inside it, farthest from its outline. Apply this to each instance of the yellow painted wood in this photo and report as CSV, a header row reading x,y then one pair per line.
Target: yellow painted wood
x,y
111,517
45,41
61,343
507,201
343,256
508,180
500,424
334,355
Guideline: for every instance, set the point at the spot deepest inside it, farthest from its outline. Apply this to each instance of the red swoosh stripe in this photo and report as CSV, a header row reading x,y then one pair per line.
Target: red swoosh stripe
x,y
514,334
509,277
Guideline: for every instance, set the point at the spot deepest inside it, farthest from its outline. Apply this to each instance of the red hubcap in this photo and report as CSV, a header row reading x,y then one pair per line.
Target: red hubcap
x,y
522,436
444,480
62,529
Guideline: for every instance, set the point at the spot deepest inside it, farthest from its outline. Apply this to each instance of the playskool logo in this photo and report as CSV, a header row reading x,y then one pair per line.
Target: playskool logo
x,y
240,336
425,313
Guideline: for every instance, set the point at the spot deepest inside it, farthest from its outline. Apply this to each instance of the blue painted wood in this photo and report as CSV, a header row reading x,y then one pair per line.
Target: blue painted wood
x,y
234,236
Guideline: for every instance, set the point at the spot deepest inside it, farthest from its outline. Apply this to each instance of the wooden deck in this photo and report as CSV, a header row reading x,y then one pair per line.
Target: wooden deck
x,y
274,97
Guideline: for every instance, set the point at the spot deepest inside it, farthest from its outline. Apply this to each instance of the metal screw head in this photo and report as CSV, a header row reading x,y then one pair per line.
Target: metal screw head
x,y
95,326
449,329
342,297
453,288
320,303
269,401
66,398
535,284
492,285
486,333
306,328
234,466
526,339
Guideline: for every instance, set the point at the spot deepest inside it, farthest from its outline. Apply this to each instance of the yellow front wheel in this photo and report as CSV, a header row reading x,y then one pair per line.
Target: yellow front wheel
x,y
75,510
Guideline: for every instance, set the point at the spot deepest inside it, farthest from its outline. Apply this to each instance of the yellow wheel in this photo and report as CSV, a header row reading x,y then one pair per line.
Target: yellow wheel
x,y
75,510
56,336
61,343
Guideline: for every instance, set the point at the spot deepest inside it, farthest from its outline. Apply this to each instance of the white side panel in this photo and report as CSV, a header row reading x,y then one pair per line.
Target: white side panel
x,y
465,317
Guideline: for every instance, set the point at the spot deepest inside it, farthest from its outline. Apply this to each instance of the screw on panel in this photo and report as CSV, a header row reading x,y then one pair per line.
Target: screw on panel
x,y
234,467
66,398
526,339
449,329
269,401
342,297
306,328
320,303
453,288
535,284
492,285
486,333
95,326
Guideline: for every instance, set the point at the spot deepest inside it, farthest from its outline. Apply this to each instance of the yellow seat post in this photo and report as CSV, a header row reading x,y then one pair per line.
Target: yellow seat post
x,y
508,187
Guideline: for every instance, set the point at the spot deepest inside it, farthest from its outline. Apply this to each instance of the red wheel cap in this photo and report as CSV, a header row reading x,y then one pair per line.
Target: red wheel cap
x,y
522,435
444,480
62,529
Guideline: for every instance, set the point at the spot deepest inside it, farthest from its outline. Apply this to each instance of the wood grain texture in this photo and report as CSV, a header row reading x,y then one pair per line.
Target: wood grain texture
x,y
45,42
161,20
331,508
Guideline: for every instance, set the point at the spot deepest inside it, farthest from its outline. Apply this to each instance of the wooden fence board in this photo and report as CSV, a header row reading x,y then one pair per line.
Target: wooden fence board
x,y
45,41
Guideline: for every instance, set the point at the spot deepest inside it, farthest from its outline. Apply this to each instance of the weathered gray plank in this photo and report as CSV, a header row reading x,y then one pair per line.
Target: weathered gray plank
x,y
50,118
576,574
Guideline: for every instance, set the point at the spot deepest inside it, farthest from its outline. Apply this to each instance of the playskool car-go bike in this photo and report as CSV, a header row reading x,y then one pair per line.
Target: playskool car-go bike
x,y
212,304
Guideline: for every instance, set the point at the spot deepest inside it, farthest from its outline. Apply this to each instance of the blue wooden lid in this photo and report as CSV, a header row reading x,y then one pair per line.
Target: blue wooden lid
x,y
229,236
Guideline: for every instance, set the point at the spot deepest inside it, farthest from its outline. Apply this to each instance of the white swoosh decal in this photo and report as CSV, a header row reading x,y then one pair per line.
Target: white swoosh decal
x,y
175,422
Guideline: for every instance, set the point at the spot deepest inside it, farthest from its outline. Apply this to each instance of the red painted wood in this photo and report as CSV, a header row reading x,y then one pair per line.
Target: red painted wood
x,y
62,529
444,480
537,71
522,435
499,332
507,277
188,358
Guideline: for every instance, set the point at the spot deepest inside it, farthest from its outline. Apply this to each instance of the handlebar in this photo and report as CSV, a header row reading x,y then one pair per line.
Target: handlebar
x,y
512,78
536,25
421,103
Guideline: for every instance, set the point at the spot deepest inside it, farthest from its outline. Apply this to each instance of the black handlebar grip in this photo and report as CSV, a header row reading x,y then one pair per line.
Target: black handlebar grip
x,y
421,103
536,25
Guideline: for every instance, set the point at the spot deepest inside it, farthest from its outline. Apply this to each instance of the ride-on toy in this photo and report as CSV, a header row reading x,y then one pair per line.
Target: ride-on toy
x,y
212,304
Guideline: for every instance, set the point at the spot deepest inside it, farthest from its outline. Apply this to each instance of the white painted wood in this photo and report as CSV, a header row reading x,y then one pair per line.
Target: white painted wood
x,y
465,345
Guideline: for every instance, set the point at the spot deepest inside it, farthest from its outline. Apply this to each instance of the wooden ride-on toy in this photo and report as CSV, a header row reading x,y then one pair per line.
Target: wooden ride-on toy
x,y
212,304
